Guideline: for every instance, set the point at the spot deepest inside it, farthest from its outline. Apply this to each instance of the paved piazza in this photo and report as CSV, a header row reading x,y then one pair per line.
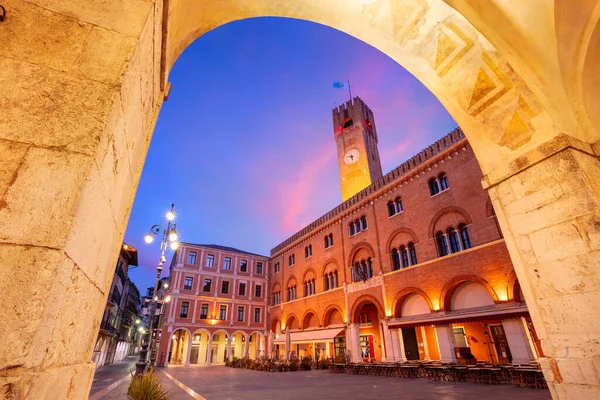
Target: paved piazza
x,y
219,383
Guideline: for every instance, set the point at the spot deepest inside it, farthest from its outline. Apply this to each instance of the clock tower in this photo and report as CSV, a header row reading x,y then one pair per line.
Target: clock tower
x,y
356,138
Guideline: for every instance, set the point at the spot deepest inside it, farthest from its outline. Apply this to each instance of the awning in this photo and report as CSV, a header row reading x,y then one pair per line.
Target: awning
x,y
473,315
316,336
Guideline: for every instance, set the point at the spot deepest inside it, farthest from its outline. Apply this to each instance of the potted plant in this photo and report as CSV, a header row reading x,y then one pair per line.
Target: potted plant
x,y
146,386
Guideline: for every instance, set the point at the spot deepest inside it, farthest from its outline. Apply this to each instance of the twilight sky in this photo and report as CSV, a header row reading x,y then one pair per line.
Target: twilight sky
x,y
244,146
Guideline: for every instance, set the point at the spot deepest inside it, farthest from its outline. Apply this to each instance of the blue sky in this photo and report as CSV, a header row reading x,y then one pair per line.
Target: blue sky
x,y
244,146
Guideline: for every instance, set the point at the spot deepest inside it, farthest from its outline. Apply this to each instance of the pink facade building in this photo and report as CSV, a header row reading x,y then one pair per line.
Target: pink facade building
x,y
218,307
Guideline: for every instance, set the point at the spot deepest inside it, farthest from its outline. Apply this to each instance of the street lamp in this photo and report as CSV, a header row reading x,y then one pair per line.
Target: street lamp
x,y
163,297
168,236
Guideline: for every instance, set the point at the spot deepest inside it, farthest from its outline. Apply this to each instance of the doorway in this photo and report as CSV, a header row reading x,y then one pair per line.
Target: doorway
x,y
411,347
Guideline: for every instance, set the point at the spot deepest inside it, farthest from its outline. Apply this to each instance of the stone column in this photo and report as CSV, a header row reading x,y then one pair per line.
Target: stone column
x,y
425,344
518,342
384,335
401,353
246,347
229,347
188,353
355,343
209,349
445,338
387,343
548,206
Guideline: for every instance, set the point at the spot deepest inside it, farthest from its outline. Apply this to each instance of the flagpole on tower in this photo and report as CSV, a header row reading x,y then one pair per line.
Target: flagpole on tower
x,y
349,91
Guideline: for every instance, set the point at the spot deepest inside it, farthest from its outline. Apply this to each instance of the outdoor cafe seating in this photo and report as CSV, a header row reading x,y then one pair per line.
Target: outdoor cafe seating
x,y
527,376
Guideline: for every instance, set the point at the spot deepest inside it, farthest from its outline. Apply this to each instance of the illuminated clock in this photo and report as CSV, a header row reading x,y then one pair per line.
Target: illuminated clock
x,y
351,156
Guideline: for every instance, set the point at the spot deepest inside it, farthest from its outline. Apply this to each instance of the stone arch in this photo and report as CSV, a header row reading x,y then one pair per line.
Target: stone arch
x,y
276,288
362,300
433,225
291,281
329,266
202,330
407,231
306,318
357,248
452,284
403,294
332,308
290,319
275,323
513,288
307,274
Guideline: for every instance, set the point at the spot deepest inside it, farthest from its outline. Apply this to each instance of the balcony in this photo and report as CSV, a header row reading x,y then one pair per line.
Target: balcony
x,y
108,329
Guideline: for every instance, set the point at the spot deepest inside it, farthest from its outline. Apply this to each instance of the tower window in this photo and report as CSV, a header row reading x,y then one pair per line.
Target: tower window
x,y
329,240
347,123
292,260
363,223
308,251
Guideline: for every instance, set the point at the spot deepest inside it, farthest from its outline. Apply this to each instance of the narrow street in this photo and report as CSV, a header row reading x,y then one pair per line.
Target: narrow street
x,y
110,374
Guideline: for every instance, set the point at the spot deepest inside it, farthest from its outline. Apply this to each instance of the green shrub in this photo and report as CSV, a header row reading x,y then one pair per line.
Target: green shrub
x,y
306,363
147,386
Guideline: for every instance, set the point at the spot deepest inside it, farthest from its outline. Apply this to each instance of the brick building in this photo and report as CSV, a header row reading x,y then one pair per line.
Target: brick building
x,y
218,306
412,265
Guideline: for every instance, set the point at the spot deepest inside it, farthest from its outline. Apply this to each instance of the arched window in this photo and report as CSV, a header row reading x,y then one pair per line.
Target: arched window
x,y
398,204
443,182
442,244
413,253
404,254
363,223
351,228
335,279
395,260
357,267
391,208
434,187
369,267
454,241
331,239
464,235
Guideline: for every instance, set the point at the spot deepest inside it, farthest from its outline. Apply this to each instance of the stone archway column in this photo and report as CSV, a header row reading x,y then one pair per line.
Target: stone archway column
x,y
75,128
355,344
518,342
445,337
548,206
209,349
401,352
188,351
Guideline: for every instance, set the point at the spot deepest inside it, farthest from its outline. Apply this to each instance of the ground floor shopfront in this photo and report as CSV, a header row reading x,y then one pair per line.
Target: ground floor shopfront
x,y
488,339
204,346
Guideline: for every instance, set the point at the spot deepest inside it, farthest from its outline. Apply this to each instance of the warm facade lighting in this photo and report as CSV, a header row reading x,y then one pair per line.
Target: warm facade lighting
x,y
168,298
125,247
166,285
174,337
502,296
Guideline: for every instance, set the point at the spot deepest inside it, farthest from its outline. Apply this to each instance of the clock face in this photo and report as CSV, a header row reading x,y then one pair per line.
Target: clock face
x,y
351,156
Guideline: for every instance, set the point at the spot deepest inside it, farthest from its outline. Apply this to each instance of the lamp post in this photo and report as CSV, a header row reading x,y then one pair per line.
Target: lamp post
x,y
168,234
162,297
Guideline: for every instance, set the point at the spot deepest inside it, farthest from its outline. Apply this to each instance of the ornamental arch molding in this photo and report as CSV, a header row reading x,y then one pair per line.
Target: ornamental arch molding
x,y
364,300
407,233
452,284
402,295
460,215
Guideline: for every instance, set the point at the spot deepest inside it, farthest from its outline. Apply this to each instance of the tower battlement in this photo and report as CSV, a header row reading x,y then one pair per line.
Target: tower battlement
x,y
351,113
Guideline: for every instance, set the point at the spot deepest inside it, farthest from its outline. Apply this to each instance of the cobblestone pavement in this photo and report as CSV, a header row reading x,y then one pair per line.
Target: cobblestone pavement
x,y
112,373
220,383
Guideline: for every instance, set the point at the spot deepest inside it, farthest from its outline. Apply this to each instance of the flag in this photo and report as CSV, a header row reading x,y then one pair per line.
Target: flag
x,y
338,85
